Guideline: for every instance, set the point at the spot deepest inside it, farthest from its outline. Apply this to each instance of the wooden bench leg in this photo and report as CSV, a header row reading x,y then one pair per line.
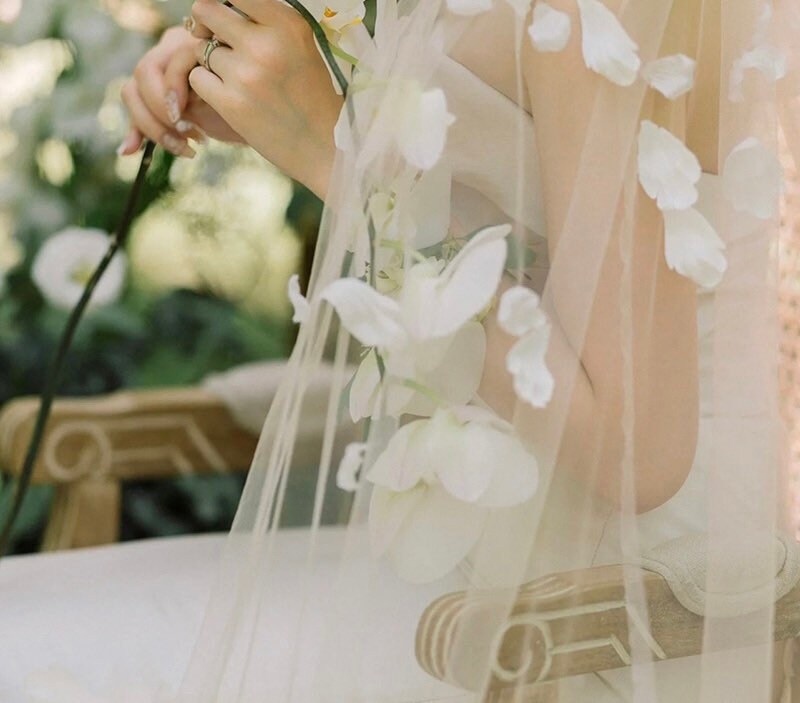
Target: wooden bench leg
x,y
84,514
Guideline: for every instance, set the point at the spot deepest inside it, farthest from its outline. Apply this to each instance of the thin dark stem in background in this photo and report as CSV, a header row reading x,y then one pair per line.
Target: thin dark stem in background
x,y
56,369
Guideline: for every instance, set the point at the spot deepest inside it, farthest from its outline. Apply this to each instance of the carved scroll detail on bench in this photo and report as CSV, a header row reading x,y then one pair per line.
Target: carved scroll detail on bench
x,y
564,625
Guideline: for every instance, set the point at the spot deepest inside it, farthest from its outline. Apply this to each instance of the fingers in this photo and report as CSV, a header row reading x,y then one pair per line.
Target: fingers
x,y
219,60
176,85
222,22
132,143
150,126
208,86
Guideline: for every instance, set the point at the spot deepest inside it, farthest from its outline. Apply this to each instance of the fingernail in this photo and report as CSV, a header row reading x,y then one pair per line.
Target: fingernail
x,y
184,126
177,146
127,144
173,110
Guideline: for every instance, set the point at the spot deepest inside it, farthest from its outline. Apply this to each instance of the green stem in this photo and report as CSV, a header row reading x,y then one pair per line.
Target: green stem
x,y
324,44
56,369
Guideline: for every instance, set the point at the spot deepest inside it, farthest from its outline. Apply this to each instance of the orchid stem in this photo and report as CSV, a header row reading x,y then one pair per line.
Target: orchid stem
x,y
56,369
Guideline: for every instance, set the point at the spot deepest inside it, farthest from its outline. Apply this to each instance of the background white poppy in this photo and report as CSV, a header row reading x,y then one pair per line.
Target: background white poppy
x,y
66,261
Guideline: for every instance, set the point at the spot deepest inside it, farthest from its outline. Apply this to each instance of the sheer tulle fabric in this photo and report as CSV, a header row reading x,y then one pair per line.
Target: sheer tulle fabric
x,y
334,621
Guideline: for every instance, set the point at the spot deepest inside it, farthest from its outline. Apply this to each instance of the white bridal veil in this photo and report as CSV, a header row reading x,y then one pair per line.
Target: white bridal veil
x,y
547,280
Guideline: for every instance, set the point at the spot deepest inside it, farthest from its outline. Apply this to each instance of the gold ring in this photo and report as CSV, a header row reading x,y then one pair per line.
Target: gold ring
x,y
189,24
211,46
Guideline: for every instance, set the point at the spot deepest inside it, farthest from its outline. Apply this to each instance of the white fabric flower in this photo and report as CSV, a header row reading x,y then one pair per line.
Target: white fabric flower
x,y
520,312
422,123
65,263
533,382
607,47
449,369
752,179
336,14
693,248
550,29
668,170
770,61
298,300
672,76
417,331
469,7
434,302
436,482
350,466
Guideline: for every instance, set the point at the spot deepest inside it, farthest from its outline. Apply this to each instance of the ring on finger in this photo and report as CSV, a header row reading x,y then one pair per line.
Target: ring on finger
x,y
211,46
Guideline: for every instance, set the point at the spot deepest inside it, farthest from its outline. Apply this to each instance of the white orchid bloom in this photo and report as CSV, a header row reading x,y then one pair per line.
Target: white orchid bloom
x,y
693,248
770,61
672,76
436,483
520,311
432,304
298,300
337,14
668,170
347,477
421,124
607,47
550,29
416,331
65,263
752,179
446,370
520,314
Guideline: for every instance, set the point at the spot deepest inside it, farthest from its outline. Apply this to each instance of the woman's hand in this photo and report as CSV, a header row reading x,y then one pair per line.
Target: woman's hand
x,y
161,105
270,84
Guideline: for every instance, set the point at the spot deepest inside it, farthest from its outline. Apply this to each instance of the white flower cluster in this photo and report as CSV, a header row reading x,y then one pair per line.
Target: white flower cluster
x,y
415,304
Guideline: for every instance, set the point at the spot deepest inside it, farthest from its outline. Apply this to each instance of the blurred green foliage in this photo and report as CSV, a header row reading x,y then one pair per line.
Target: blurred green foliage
x,y
150,336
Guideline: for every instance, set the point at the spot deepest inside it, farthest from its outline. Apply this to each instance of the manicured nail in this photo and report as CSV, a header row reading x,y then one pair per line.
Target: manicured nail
x,y
173,110
177,146
183,126
127,145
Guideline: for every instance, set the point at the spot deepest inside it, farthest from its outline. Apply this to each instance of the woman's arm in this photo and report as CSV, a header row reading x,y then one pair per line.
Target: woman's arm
x,y
562,92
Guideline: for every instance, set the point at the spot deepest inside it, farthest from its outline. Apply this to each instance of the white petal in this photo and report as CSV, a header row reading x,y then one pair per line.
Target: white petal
x,y
298,300
373,319
693,248
519,311
516,472
436,535
607,48
422,132
429,206
672,76
668,171
533,382
65,261
461,456
464,289
469,7
551,28
350,466
770,61
402,464
364,388
752,179
457,374
387,512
